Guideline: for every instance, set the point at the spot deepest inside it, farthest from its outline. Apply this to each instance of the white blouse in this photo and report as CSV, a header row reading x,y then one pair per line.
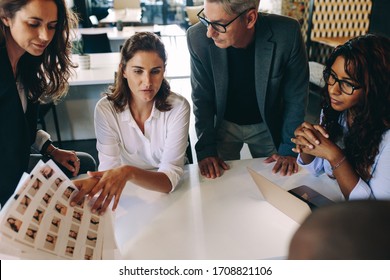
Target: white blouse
x,y
121,142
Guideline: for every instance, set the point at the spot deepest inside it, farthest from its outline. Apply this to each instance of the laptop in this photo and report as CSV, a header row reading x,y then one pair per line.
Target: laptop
x,y
297,203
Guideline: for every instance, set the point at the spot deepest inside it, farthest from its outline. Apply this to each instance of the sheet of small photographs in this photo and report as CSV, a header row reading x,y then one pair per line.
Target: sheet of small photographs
x,y
39,217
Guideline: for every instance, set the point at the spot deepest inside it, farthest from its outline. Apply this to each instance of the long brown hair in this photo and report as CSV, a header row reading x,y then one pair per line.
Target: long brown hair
x,y
45,76
367,62
120,93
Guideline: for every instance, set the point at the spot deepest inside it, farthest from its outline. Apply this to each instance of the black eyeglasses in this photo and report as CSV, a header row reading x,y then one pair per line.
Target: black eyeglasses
x,y
345,86
219,27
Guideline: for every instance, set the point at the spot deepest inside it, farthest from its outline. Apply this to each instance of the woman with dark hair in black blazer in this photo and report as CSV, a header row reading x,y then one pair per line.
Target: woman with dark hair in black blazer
x,y
35,51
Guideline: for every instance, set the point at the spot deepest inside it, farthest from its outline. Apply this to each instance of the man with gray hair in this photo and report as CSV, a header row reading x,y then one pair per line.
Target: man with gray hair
x,y
249,78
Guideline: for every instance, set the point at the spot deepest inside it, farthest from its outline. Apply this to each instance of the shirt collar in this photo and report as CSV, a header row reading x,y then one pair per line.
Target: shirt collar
x,y
126,116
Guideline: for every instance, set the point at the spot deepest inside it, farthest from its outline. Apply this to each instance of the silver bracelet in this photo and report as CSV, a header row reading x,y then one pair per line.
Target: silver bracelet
x,y
50,154
337,165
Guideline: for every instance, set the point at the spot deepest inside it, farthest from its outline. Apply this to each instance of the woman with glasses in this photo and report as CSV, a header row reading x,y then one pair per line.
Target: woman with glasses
x,y
249,78
352,142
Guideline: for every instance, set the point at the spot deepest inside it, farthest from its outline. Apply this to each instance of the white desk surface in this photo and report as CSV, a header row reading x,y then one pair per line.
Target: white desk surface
x,y
171,30
125,15
104,66
224,218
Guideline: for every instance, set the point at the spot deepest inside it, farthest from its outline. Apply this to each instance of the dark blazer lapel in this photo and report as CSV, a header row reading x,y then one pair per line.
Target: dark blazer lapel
x,y
219,61
264,50
7,80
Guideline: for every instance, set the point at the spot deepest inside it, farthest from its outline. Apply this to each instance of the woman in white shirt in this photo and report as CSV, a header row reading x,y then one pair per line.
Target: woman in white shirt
x,y
352,144
140,126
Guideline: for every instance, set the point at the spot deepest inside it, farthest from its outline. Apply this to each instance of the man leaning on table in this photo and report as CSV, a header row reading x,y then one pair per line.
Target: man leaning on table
x,y
249,77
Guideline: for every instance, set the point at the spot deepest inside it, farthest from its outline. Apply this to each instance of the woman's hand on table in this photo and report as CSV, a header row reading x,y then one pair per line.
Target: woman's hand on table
x,y
107,184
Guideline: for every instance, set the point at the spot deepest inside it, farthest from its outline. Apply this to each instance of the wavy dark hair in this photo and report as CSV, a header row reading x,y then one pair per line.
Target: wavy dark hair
x,y
120,93
367,62
45,76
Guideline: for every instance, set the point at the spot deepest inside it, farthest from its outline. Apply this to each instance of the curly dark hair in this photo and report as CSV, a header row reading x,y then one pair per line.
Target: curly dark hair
x,y
367,62
120,93
45,76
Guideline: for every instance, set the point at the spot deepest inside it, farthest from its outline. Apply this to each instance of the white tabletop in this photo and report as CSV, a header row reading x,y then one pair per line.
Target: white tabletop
x,y
170,30
104,66
224,218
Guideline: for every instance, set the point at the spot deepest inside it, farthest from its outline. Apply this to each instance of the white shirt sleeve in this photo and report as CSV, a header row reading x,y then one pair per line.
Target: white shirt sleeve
x,y
40,139
379,185
173,156
107,138
316,167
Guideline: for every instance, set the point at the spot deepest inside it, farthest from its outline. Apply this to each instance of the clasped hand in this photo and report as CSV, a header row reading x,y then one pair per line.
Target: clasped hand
x,y
313,140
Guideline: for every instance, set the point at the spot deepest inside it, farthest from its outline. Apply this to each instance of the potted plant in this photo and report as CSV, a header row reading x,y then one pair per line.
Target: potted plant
x,y
84,59
119,25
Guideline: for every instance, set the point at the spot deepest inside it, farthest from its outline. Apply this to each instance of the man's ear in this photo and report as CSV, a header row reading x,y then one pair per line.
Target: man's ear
x,y
251,18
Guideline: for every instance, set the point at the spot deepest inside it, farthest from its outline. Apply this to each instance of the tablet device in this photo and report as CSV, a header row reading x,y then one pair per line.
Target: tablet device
x,y
313,198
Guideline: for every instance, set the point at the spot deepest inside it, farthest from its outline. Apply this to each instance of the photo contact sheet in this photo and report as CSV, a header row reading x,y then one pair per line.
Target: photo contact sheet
x,y
39,217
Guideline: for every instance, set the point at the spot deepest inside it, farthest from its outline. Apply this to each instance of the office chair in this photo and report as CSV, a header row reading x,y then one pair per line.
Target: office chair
x,y
43,110
87,163
96,43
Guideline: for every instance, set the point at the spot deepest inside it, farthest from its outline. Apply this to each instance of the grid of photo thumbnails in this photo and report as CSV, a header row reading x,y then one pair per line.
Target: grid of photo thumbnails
x,y
39,217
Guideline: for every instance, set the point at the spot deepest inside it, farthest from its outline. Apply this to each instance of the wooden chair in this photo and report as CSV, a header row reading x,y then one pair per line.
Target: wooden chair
x,y
330,23
127,4
192,12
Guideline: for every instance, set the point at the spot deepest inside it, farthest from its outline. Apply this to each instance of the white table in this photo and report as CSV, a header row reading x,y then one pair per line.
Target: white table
x,y
114,34
224,218
117,38
206,219
104,66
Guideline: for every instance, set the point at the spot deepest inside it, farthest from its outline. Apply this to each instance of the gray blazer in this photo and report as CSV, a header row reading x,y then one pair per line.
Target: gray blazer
x,y
282,80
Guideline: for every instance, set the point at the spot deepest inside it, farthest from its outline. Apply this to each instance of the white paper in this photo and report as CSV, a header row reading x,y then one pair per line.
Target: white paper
x,y
39,221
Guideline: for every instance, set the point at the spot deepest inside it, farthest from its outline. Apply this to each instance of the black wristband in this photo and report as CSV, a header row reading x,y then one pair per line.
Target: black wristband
x,y
45,146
